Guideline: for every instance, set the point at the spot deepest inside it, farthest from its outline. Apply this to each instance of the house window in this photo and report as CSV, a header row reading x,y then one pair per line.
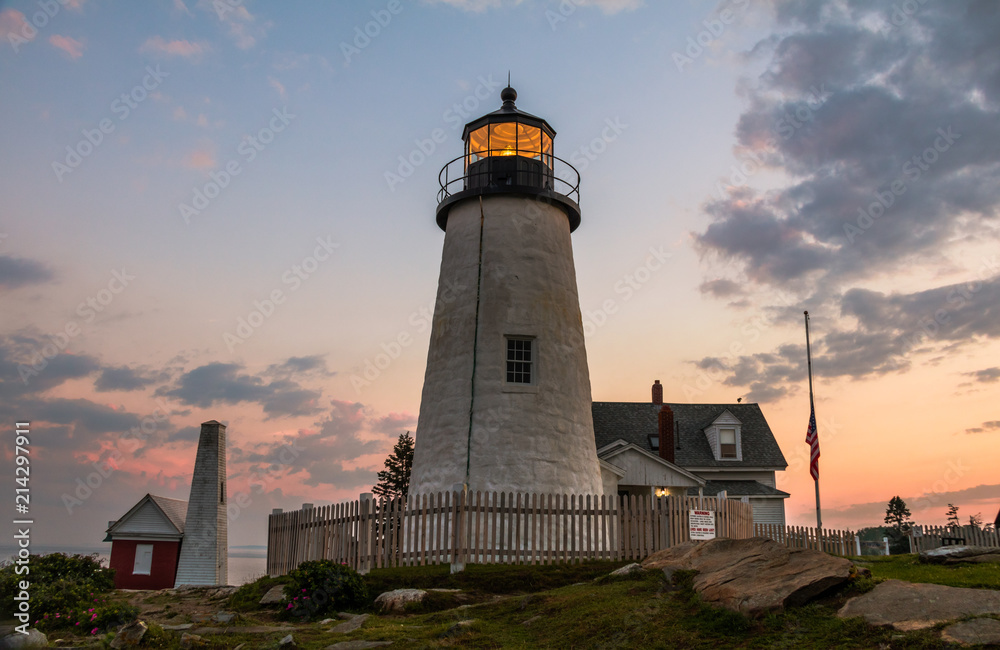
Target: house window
x,y
222,492
727,443
654,443
520,362
143,560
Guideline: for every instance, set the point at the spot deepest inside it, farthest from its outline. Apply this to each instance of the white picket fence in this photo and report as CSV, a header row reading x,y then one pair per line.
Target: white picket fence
x,y
936,536
494,528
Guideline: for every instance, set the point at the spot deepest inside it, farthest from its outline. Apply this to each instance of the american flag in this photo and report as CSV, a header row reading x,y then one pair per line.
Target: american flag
x,y
812,439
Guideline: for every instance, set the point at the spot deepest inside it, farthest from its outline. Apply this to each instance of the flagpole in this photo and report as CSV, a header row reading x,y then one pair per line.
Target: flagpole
x,y
812,411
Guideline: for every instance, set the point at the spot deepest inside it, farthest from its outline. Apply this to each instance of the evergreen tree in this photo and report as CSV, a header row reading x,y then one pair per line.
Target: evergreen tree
x,y
976,520
952,514
394,480
897,515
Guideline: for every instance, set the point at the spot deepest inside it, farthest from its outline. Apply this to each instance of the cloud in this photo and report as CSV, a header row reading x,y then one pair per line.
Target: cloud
x,y
278,87
222,383
122,378
720,288
992,425
928,508
184,49
606,6
882,129
14,25
180,7
309,365
242,27
200,159
986,375
19,272
70,46
25,370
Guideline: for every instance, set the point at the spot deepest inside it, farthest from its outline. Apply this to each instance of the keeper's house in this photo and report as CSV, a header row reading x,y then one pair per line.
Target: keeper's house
x,y
657,449
146,543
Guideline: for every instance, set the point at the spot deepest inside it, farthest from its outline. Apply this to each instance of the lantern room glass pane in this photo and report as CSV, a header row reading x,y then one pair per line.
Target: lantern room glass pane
x,y
478,143
547,150
529,141
503,139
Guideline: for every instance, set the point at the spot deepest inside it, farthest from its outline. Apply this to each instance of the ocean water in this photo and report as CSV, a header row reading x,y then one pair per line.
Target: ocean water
x,y
245,564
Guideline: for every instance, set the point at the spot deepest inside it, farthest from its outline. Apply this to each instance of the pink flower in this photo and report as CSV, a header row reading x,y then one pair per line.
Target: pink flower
x,y
94,631
289,606
77,623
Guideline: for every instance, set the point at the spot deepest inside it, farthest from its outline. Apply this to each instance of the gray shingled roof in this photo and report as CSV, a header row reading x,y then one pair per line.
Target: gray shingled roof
x,y
738,489
174,509
635,421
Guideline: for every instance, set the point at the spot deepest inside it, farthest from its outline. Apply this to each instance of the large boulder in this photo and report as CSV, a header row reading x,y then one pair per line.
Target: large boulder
x,y
754,575
9,638
397,599
915,606
960,555
978,631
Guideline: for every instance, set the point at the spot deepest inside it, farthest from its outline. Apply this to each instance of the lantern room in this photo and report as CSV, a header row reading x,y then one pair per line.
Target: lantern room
x,y
509,151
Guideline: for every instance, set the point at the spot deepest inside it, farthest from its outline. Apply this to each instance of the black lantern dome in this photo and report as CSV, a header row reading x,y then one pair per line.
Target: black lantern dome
x,y
509,151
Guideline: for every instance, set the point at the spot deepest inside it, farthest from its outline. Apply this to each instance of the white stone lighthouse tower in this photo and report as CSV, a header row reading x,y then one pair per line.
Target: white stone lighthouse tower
x,y
506,402
205,548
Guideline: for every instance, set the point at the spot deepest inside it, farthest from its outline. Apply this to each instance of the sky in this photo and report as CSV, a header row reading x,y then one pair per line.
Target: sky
x,y
225,210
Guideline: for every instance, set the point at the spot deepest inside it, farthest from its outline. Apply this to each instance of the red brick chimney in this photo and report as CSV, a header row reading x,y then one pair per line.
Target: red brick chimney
x,y
657,392
666,431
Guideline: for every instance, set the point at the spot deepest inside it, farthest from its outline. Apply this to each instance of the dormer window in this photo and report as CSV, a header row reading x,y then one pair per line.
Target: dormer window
x,y
724,437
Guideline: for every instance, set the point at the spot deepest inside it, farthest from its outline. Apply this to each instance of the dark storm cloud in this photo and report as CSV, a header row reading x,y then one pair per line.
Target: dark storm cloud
x,y
18,272
222,383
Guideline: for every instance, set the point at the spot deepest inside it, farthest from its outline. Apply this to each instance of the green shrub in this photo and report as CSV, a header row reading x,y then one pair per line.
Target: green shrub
x,y
66,590
248,596
318,587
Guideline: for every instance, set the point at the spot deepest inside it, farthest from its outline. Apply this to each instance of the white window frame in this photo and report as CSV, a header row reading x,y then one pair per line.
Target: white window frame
x,y
532,361
735,443
137,568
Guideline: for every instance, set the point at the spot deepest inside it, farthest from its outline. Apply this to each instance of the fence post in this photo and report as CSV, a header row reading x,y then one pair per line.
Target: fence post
x,y
458,527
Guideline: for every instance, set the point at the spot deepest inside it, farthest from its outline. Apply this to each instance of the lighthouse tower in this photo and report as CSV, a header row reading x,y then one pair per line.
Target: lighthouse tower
x,y
205,549
506,403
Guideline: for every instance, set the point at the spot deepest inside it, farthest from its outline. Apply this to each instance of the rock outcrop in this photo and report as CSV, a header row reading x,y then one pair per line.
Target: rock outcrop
x,y
753,576
978,631
398,599
914,606
960,555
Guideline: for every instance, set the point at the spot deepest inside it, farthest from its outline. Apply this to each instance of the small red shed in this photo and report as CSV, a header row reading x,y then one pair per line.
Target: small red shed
x,y
146,542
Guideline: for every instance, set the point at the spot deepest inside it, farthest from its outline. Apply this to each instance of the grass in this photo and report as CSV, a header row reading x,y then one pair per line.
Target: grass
x,y
906,567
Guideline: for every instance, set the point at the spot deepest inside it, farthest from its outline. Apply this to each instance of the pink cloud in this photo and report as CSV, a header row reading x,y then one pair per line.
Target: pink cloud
x,y
186,49
70,46
200,159
13,23
75,5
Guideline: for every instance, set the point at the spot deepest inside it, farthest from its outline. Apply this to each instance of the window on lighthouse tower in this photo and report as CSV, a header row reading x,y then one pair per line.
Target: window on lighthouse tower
x,y
520,362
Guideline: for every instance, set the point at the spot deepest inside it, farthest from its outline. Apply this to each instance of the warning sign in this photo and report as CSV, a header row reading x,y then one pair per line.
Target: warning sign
x,y
702,524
